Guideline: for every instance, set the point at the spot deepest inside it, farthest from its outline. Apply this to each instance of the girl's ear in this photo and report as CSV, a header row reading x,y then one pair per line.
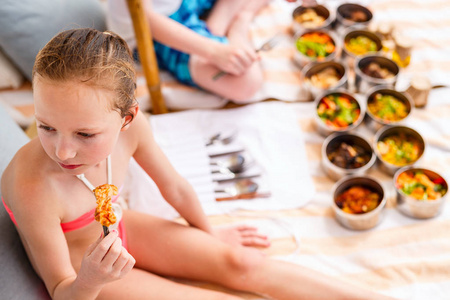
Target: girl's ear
x,y
130,117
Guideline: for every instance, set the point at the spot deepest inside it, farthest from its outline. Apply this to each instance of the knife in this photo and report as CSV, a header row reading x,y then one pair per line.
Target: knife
x,y
236,178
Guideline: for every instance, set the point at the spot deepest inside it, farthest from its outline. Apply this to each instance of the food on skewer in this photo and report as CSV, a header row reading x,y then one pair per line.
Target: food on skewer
x,y
104,213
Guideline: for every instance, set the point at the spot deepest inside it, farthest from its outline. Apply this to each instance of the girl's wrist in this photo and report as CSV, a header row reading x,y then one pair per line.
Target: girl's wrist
x,y
211,51
88,290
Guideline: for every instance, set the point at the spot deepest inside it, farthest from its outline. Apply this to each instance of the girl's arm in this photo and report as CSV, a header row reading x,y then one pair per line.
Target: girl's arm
x,y
37,213
104,261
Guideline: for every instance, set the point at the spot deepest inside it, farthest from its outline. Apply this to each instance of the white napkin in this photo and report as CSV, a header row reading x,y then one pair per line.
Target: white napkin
x,y
267,132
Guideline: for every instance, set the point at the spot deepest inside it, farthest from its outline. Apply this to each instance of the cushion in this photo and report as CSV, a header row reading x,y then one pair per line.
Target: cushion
x,y
10,76
27,25
17,278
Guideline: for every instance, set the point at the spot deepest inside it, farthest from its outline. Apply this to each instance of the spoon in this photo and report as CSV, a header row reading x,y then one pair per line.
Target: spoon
x,y
243,186
234,163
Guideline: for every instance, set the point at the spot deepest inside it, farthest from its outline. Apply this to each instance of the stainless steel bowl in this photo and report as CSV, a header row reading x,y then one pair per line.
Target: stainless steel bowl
x,y
325,130
320,10
353,32
387,131
374,122
364,82
331,144
303,60
347,9
314,68
418,208
359,221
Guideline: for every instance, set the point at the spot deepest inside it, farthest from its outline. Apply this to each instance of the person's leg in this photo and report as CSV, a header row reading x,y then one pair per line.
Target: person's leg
x,y
171,249
233,19
140,284
224,11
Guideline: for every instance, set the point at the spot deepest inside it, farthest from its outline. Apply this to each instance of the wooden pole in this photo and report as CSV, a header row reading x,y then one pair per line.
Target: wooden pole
x,y
147,55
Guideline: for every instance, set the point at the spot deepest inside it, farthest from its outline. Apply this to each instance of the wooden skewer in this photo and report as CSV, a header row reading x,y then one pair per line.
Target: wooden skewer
x,y
105,230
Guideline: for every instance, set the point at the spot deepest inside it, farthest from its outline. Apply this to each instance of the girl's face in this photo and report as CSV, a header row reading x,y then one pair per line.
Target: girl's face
x,y
76,125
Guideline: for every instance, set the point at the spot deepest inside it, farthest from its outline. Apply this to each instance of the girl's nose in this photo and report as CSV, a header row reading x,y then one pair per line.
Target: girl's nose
x,y
65,150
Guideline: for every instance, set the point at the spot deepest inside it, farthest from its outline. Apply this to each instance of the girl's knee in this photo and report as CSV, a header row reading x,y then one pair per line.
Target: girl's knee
x,y
242,263
248,86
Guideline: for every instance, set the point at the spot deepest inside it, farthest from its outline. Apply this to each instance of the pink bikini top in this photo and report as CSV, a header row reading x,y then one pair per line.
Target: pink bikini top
x,y
84,219
78,223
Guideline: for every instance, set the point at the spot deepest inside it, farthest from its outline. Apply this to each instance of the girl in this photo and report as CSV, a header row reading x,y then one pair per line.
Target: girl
x,y
88,129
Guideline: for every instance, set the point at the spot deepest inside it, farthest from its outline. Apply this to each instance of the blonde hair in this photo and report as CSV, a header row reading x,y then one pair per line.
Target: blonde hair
x,y
95,58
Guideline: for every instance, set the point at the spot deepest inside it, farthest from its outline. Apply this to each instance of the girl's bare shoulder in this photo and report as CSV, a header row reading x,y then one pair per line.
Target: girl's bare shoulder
x,y
27,174
138,131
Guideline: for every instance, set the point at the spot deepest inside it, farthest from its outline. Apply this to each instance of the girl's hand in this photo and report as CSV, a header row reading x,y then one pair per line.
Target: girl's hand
x,y
241,235
105,261
233,59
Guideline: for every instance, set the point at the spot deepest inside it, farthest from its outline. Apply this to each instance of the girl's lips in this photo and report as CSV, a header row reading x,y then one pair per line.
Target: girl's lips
x,y
70,167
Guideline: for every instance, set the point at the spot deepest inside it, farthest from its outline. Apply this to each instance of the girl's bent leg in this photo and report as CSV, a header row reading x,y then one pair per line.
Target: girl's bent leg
x,y
224,11
140,284
171,249
239,89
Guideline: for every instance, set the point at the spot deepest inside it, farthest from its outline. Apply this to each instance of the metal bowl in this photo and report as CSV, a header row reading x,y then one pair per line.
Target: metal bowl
x,y
421,209
353,32
345,11
303,60
333,142
374,122
359,221
364,82
320,10
327,130
387,131
312,69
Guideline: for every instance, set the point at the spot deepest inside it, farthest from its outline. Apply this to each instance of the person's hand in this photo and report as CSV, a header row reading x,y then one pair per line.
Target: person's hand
x,y
241,235
232,59
104,261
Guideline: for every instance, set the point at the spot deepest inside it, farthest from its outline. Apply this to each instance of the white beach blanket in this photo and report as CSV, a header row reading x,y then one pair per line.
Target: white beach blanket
x,y
267,132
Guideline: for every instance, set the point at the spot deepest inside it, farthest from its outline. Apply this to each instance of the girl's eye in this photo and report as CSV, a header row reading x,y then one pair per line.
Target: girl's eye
x,y
85,135
46,128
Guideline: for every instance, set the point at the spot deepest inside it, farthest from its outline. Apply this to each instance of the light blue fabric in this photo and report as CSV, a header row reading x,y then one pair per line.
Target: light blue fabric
x,y
27,25
177,62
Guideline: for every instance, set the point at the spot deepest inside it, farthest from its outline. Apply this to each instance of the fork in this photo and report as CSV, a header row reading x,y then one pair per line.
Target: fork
x,y
268,45
217,138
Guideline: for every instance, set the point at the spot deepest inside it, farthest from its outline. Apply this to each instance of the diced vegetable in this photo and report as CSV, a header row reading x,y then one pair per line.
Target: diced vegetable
x,y
338,111
387,108
419,186
399,149
361,45
316,45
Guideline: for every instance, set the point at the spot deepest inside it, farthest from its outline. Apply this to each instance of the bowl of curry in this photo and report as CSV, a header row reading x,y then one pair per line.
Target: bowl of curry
x,y
386,106
421,192
358,202
337,111
397,147
346,154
